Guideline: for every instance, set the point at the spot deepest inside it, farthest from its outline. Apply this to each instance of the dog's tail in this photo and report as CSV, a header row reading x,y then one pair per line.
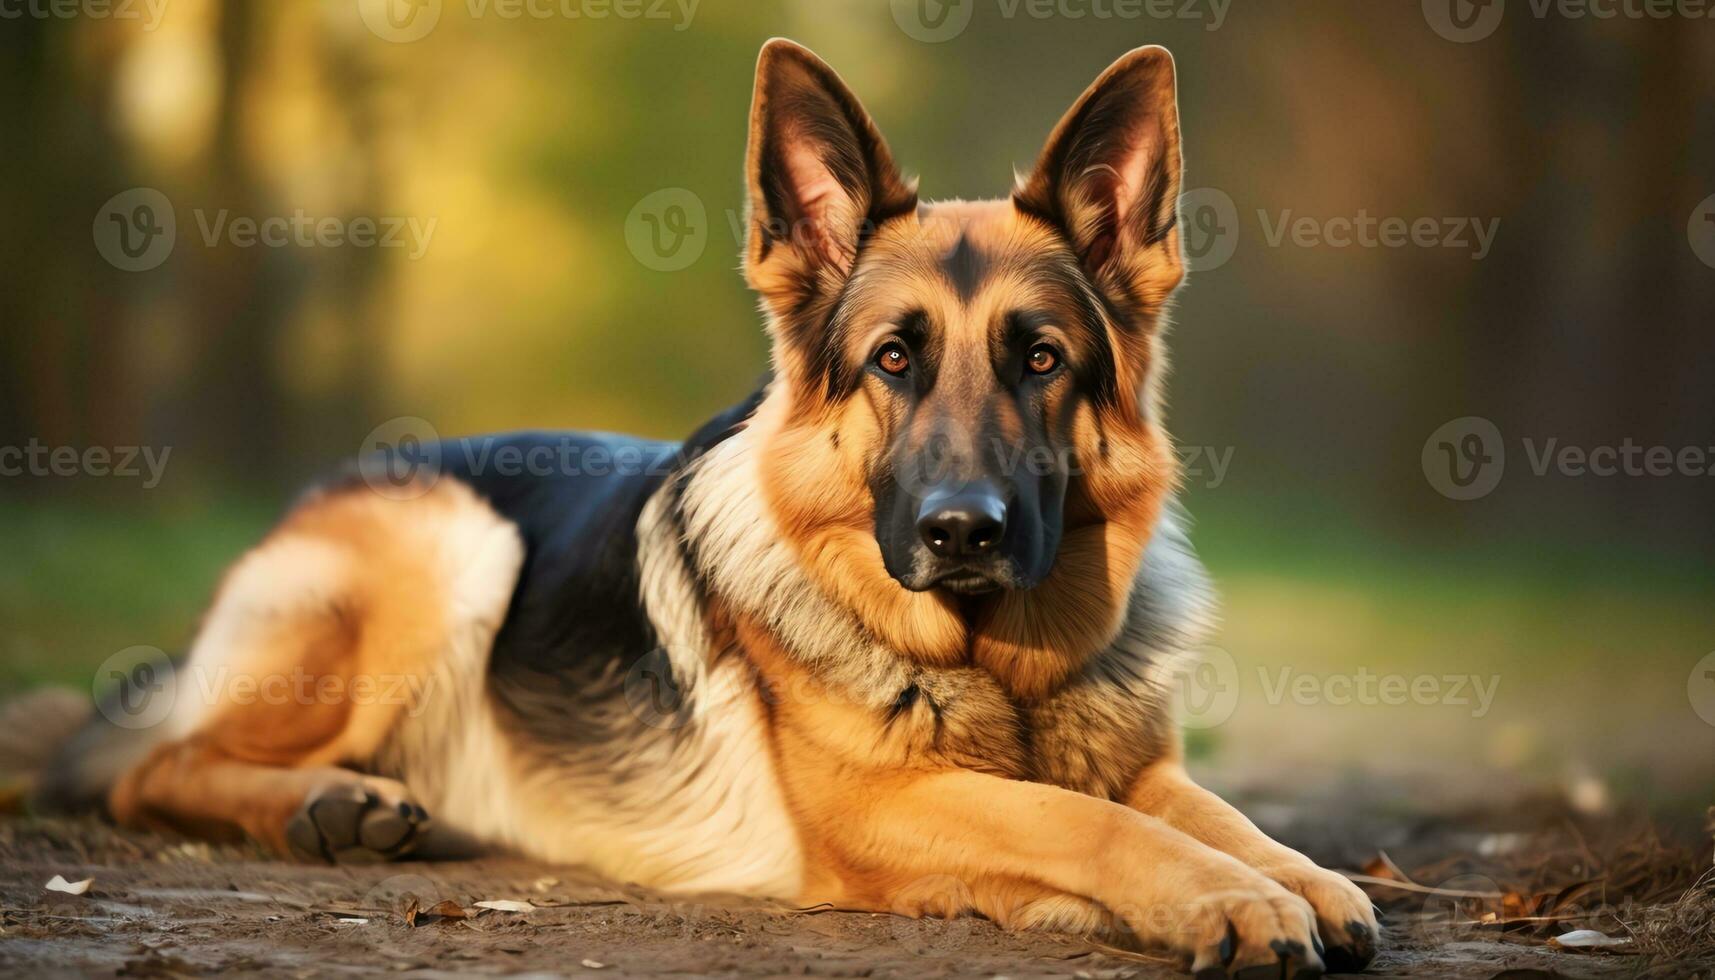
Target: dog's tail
x,y
59,755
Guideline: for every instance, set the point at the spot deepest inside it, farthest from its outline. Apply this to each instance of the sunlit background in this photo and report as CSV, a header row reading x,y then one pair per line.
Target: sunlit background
x,y
566,191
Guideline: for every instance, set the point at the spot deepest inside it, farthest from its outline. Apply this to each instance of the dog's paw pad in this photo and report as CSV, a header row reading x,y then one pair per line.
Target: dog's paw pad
x,y
355,824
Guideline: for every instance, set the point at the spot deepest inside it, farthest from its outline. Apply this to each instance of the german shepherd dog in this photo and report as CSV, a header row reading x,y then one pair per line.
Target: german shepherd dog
x,y
894,634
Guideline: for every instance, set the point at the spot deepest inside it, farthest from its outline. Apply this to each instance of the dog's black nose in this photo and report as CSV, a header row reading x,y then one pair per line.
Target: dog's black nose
x,y
963,524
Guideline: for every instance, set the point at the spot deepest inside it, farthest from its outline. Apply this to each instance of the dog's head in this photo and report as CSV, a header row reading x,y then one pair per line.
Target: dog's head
x,y
962,443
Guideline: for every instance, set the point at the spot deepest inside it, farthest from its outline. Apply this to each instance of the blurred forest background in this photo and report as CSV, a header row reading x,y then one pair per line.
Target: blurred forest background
x,y
531,142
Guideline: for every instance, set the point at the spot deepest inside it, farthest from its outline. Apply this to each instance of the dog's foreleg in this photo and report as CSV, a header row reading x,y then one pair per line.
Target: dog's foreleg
x,y
1344,914
922,842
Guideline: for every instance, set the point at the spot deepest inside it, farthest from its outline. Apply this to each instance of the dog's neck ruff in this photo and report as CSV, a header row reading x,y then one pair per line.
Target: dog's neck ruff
x,y
708,535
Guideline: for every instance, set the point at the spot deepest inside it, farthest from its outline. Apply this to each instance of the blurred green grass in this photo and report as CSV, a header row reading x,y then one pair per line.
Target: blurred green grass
x,y
84,580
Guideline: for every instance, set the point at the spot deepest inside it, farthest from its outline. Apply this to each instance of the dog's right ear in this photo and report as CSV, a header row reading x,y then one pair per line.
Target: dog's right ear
x,y
820,178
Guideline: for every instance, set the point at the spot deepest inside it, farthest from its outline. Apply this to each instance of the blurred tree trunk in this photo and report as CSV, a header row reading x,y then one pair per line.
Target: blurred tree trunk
x,y
64,380
1661,359
1591,327
240,296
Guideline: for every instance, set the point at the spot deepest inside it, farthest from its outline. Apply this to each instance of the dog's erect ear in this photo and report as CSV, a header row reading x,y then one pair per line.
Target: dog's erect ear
x,y
820,177
1109,177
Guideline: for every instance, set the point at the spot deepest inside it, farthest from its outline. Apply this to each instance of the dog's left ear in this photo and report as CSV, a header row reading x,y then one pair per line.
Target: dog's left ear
x,y
820,178
1109,178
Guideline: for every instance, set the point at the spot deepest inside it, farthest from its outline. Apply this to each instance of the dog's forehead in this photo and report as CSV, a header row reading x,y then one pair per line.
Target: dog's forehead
x,y
989,228
967,249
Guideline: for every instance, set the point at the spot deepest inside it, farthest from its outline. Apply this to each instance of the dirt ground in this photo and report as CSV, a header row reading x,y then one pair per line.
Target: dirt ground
x,y
163,908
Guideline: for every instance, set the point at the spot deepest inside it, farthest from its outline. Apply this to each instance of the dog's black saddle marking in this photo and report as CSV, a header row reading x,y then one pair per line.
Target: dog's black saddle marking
x,y
575,498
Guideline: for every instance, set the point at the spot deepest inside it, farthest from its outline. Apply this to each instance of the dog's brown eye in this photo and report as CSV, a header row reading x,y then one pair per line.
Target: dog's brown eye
x,y
1042,359
892,359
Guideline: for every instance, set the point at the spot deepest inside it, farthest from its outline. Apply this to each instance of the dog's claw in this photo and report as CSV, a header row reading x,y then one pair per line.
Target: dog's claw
x,y
1352,957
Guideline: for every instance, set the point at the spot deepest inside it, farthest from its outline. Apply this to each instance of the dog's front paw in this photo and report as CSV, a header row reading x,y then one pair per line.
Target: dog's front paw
x,y
364,820
1248,930
1345,917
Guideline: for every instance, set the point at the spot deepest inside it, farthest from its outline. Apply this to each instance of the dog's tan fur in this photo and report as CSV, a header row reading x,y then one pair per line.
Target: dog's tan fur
x,y
342,593
1012,756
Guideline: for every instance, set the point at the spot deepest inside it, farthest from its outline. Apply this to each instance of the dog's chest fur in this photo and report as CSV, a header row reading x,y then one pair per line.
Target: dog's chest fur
x,y
817,664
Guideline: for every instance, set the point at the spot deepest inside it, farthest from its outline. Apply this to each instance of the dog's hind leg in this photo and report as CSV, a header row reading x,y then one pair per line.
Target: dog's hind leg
x,y
319,645
320,813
